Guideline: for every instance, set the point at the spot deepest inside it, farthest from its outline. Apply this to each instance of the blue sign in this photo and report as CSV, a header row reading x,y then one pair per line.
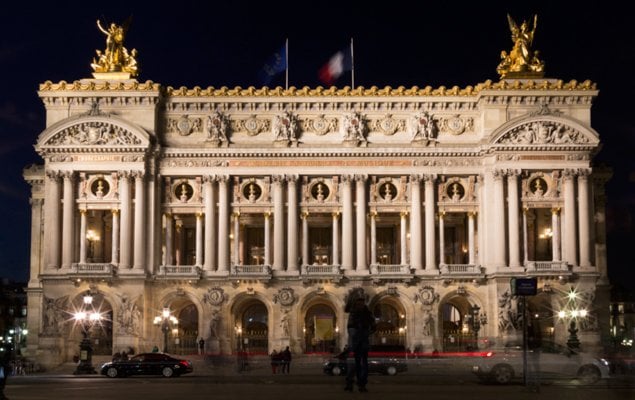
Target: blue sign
x,y
524,286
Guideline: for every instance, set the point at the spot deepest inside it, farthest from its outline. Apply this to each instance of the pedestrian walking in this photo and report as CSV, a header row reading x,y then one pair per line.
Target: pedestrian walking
x,y
201,346
361,324
275,361
5,370
286,360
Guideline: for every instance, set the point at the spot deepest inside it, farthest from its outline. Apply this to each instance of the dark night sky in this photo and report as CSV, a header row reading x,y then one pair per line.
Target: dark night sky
x,y
199,43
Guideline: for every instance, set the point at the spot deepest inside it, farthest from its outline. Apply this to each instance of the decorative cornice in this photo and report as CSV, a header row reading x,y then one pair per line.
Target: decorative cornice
x,y
373,91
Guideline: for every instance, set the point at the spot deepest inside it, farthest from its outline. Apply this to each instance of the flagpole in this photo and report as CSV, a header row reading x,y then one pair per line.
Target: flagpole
x,y
352,67
286,62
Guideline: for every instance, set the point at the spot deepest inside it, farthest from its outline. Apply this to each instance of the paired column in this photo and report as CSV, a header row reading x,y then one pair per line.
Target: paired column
x,y
237,244
360,193
267,217
199,239
210,223
139,222
336,239
470,239
169,239
114,257
570,245
52,224
373,238
416,261
499,219
431,263
223,224
347,223
36,238
305,238
583,218
126,221
292,223
555,229
512,190
441,237
82,236
68,222
278,223
404,238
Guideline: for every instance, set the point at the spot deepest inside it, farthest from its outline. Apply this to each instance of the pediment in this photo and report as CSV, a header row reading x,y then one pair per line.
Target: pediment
x,y
545,130
91,133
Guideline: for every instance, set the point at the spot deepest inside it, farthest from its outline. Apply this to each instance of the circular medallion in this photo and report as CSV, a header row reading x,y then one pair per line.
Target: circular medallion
x,y
320,126
99,187
387,191
252,191
320,191
183,191
456,125
184,126
455,191
252,126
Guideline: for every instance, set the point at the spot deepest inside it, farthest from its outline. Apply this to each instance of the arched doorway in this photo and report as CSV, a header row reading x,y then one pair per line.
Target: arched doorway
x,y
321,334
541,324
99,332
187,336
459,332
391,323
253,329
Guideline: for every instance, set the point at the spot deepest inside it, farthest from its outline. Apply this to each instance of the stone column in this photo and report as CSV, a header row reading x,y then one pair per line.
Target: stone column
x,y
347,223
416,261
68,221
470,238
360,194
404,238
114,257
305,239
513,210
199,239
441,238
555,229
36,239
336,239
373,238
583,218
499,219
292,223
431,262
82,236
223,224
52,225
236,218
267,217
169,239
125,240
278,223
525,237
139,222
570,245
210,223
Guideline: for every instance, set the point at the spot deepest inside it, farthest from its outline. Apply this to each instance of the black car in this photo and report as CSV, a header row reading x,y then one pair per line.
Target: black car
x,y
387,360
147,364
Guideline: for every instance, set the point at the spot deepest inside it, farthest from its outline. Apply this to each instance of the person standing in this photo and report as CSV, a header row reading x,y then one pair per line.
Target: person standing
x,y
361,324
286,360
5,371
201,346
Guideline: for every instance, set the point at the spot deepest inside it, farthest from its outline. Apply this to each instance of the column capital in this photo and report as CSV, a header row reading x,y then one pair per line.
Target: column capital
x,y
222,178
403,214
429,178
138,174
68,175
53,175
569,174
472,213
278,179
209,179
291,179
114,211
346,178
499,174
304,214
513,173
267,214
416,178
555,211
335,214
584,173
35,202
373,213
360,178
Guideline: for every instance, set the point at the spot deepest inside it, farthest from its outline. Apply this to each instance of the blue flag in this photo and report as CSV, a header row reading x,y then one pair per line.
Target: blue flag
x,y
276,64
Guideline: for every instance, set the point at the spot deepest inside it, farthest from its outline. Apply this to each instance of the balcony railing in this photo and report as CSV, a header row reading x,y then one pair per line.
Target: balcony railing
x,y
389,269
321,270
94,269
262,271
179,271
547,266
460,269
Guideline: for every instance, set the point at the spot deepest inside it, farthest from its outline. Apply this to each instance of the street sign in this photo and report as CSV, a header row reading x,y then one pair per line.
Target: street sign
x,y
524,286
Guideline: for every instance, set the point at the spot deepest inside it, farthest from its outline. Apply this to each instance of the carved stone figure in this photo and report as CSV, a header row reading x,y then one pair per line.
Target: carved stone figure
x,y
354,128
284,323
216,128
214,324
285,127
428,324
521,60
53,317
116,57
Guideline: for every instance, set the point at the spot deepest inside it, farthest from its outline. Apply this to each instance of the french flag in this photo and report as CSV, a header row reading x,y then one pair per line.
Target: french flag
x,y
339,63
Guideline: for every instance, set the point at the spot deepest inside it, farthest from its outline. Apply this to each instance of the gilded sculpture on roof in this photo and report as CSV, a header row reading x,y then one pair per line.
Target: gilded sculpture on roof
x,y
115,61
521,61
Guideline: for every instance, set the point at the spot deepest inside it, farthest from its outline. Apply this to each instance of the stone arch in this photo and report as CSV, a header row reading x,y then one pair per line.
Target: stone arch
x,y
390,315
320,303
100,333
253,336
560,130
188,309
456,332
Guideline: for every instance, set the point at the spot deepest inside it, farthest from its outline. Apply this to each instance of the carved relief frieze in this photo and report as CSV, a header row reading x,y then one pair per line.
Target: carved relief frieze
x,y
354,129
185,162
422,128
251,125
456,124
388,125
184,125
320,125
285,128
93,133
543,132
216,128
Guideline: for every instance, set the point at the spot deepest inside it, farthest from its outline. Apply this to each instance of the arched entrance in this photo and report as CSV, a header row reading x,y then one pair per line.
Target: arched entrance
x,y
458,331
187,336
391,323
100,332
541,323
321,334
252,330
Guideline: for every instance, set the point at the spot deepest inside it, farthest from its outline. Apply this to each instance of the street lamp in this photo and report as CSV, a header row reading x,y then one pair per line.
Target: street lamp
x,y
476,319
572,313
163,321
86,317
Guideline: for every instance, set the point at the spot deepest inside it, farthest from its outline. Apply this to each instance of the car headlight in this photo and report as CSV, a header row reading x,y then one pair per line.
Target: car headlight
x,y
605,362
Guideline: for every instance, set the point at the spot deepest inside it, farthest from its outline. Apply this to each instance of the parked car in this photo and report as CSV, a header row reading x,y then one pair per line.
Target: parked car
x,y
550,360
147,364
387,360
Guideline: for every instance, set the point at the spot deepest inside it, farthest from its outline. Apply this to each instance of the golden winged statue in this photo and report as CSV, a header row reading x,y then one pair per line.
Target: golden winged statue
x,y
115,60
521,61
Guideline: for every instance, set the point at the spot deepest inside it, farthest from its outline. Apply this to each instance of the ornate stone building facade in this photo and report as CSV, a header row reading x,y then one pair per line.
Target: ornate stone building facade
x,y
250,214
